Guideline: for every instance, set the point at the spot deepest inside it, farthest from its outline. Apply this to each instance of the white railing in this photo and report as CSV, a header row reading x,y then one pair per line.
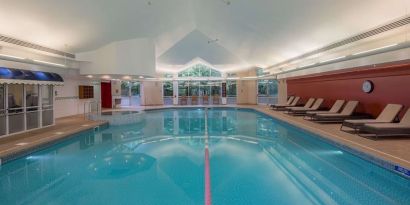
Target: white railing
x,y
90,107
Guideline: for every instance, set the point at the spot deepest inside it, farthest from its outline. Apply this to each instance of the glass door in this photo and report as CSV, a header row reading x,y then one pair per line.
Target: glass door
x,y
47,105
204,92
216,87
32,107
15,109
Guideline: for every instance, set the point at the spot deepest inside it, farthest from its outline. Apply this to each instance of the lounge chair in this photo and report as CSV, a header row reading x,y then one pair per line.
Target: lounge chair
x,y
184,100
388,114
336,107
304,110
215,100
294,103
346,113
205,100
290,100
308,104
194,100
388,129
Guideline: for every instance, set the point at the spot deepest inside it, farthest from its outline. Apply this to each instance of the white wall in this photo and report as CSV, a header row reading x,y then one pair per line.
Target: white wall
x,y
67,102
130,57
151,93
247,89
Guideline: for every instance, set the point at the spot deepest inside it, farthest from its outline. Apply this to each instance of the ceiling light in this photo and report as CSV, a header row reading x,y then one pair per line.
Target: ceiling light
x,y
251,77
49,63
308,65
141,76
89,76
126,77
10,56
333,59
105,77
388,46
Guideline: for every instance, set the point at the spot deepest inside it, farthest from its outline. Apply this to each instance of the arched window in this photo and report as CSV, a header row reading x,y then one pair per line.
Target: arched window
x,y
199,70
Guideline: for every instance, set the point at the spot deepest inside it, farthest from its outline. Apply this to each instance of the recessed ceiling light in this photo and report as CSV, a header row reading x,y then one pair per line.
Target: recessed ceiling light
x,y
333,59
89,76
105,77
388,46
49,63
141,76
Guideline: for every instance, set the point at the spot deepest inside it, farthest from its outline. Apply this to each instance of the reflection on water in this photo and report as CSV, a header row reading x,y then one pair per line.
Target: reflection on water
x,y
254,160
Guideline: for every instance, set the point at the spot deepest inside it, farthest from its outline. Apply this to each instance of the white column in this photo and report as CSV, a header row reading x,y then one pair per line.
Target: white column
x,y
282,91
175,92
224,99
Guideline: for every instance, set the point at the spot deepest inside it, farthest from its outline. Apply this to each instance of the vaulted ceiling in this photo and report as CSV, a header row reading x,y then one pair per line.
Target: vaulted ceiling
x,y
241,32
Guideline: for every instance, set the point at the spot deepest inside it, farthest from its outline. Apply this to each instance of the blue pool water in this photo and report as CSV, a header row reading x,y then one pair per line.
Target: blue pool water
x,y
254,159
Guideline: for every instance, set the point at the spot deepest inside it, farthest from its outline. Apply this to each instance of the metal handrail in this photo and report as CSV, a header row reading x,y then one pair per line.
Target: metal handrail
x,y
89,105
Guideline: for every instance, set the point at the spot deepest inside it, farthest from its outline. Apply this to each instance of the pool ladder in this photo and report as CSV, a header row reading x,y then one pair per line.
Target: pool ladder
x,y
88,108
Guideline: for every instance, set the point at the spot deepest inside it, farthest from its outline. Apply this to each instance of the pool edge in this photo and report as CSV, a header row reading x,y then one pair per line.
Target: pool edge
x,y
13,155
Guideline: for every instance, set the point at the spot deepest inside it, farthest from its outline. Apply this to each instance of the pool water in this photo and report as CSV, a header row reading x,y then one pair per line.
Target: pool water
x,y
253,159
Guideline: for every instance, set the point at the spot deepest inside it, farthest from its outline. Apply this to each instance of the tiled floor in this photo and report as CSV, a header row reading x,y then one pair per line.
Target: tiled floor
x,y
396,150
64,127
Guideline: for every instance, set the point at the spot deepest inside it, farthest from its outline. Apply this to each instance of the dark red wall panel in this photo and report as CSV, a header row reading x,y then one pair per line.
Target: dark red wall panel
x,y
391,85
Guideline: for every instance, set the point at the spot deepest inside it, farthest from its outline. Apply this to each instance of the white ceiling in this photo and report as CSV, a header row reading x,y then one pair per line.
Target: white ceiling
x,y
249,32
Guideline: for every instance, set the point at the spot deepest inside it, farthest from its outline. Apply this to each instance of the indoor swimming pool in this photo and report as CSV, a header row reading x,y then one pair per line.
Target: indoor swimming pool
x,y
162,159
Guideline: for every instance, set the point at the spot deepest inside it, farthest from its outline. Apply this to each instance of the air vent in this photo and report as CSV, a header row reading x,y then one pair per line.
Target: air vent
x,y
34,46
378,30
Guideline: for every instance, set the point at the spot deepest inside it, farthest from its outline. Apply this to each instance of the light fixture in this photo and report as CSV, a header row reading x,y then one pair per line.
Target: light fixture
x,y
10,56
141,77
333,59
105,77
251,77
89,76
126,77
368,51
310,64
49,63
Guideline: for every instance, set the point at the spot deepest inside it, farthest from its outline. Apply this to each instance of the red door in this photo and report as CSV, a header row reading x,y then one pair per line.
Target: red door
x,y
106,95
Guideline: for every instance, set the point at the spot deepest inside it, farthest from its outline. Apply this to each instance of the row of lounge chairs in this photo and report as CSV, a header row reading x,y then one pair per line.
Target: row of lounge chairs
x,y
344,112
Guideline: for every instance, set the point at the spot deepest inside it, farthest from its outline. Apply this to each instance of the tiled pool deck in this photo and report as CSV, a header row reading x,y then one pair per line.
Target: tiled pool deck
x,y
12,147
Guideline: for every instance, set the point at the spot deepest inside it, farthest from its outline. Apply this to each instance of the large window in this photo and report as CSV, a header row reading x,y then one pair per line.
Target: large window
x,y
25,107
168,89
47,104
135,89
168,92
130,93
32,112
194,88
183,87
231,88
267,91
199,70
15,108
125,89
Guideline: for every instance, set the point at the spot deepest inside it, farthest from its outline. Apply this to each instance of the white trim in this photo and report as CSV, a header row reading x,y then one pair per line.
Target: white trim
x,y
35,82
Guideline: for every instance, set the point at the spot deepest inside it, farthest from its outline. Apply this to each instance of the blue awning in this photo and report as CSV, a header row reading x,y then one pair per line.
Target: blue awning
x,y
12,75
